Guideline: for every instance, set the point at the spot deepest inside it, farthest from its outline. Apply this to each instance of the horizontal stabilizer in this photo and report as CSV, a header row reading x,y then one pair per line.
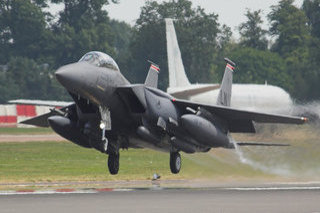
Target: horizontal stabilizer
x,y
261,144
42,120
40,102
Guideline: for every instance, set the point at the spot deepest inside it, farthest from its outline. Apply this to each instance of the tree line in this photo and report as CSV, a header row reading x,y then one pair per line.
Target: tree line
x,y
34,43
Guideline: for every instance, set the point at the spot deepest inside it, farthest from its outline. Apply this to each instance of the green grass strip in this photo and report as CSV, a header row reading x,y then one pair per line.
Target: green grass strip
x,y
64,161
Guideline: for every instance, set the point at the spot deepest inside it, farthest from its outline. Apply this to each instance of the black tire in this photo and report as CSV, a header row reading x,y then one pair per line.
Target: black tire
x,y
175,162
113,163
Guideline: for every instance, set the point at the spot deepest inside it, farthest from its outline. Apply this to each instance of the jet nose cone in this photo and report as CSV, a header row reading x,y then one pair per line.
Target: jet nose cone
x,y
71,77
65,75
79,78
59,74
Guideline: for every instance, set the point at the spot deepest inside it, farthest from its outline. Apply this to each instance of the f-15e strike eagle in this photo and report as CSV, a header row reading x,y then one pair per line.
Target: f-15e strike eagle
x,y
109,113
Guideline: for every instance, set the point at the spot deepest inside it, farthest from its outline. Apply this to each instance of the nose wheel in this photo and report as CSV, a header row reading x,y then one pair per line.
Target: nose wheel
x,y
105,124
175,162
113,163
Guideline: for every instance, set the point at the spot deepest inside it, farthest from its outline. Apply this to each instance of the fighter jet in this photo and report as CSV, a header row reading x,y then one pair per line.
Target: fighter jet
x,y
109,113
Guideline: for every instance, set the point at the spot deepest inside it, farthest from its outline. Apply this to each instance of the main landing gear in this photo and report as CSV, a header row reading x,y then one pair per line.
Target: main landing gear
x,y
175,162
113,163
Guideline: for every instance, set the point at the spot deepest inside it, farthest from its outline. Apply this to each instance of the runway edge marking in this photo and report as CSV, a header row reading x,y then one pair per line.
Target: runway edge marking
x,y
100,190
62,191
273,188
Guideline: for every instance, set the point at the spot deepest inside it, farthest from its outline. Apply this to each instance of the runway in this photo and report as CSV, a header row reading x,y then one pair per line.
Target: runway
x,y
30,138
170,200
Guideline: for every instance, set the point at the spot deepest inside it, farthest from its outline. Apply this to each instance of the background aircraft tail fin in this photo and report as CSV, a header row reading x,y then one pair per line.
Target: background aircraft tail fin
x,y
177,74
224,97
152,77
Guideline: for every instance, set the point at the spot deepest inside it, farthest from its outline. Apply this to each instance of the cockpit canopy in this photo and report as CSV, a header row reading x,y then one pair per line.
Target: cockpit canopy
x,y
100,59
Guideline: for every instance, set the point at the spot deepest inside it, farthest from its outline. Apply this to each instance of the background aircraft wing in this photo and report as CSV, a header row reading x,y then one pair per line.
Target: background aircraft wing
x,y
42,120
189,91
239,120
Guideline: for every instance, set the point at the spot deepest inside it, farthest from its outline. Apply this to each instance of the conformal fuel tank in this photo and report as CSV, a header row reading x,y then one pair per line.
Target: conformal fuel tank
x,y
204,131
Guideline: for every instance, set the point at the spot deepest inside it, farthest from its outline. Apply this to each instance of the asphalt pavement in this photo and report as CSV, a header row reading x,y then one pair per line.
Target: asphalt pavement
x,y
270,199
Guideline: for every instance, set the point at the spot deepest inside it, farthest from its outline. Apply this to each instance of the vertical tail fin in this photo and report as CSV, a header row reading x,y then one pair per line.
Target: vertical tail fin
x,y
224,97
177,74
152,77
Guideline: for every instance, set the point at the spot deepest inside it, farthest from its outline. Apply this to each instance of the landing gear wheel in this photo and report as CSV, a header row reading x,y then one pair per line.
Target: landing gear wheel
x,y
175,162
113,163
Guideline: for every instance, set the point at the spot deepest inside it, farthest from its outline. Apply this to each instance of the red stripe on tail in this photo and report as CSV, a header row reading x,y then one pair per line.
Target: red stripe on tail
x,y
230,66
155,67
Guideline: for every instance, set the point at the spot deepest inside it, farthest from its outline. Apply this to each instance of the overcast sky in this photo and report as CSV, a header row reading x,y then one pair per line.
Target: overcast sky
x,y
231,12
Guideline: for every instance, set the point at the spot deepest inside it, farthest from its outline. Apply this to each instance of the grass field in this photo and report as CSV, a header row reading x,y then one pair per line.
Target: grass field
x,y
64,161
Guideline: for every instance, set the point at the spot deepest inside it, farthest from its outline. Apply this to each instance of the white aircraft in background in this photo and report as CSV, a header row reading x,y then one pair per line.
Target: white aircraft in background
x,y
257,97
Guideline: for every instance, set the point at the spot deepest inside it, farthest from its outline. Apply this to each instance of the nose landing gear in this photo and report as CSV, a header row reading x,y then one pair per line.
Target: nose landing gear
x,y
113,163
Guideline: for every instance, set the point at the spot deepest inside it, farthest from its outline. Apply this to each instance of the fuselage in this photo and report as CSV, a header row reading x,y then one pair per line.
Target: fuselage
x,y
93,88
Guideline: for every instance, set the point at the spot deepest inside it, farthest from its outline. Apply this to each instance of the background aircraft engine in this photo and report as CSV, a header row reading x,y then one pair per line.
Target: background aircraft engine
x,y
204,131
67,129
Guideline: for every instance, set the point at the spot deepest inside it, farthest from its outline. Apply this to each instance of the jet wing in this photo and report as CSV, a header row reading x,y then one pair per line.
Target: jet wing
x,y
240,120
42,120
